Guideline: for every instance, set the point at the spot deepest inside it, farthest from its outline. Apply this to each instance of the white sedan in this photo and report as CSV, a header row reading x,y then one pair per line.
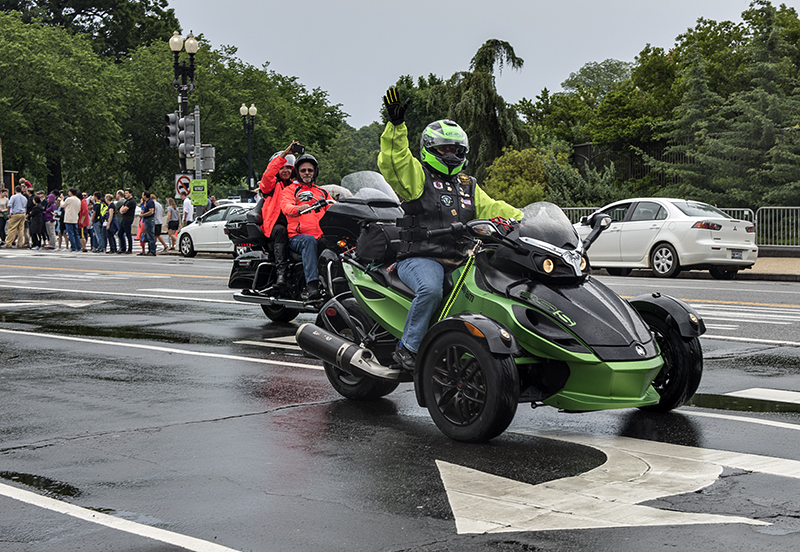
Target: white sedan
x,y
670,235
207,232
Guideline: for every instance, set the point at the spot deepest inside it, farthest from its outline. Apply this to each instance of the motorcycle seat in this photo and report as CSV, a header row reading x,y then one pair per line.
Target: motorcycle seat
x,y
392,280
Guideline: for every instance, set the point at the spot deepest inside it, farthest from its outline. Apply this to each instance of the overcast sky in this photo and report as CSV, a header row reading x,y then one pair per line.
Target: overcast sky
x,y
355,49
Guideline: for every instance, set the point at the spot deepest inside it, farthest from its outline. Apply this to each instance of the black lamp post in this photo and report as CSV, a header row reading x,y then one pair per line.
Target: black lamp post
x,y
249,123
184,74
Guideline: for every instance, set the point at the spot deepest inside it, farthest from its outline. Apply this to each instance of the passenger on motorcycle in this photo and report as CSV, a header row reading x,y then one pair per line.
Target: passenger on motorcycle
x,y
435,194
276,177
304,203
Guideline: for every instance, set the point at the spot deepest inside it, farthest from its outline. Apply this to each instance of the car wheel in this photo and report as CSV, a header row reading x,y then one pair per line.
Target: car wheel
x,y
279,313
721,273
680,376
619,271
186,246
664,261
470,393
352,386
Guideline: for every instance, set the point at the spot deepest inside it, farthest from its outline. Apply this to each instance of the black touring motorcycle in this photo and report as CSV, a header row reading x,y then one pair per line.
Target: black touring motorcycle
x,y
362,198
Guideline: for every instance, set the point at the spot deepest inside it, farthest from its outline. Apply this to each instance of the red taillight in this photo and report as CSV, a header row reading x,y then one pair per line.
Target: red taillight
x,y
750,229
707,225
330,311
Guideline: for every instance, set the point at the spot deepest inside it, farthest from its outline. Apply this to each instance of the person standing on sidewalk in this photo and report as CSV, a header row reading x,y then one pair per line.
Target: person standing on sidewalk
x,y
128,210
50,220
17,208
188,210
159,220
72,210
149,218
3,214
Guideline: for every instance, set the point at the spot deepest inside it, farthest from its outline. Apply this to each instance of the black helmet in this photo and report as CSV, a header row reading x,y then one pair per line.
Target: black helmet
x,y
307,158
441,133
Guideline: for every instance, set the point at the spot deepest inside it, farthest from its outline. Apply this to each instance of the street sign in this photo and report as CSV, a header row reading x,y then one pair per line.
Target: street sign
x,y
182,184
199,194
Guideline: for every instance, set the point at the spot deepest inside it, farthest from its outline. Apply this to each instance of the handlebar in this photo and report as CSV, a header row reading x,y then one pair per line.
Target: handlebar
x,y
454,228
316,206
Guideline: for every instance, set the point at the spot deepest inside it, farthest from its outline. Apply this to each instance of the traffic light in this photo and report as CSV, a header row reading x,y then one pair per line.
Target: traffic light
x,y
186,135
171,130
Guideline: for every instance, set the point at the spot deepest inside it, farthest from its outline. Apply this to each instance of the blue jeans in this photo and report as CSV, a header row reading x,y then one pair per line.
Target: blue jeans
x,y
150,234
307,246
425,277
74,237
125,233
99,236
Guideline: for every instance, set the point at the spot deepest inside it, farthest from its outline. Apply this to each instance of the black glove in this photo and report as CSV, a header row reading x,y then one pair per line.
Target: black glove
x,y
396,109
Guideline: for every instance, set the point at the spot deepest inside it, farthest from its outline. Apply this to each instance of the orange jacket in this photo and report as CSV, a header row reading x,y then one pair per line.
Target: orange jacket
x,y
290,205
271,188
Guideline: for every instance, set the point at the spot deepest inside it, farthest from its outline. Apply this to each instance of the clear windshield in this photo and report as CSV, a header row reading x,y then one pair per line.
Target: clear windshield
x,y
368,185
547,222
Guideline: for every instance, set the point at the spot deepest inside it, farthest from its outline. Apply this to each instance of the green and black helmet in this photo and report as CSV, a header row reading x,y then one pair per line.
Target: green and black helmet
x,y
444,133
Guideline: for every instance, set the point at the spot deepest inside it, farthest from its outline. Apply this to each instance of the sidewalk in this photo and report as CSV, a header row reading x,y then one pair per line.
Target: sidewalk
x,y
785,269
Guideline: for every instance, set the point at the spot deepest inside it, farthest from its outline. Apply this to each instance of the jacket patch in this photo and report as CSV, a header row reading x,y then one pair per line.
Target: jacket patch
x,y
446,200
438,185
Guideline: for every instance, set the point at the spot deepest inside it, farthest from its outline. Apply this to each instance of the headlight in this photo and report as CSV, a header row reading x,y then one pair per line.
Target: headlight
x,y
583,264
548,266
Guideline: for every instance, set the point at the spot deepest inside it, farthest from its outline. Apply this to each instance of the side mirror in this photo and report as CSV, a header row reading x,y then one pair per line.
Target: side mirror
x,y
483,229
599,222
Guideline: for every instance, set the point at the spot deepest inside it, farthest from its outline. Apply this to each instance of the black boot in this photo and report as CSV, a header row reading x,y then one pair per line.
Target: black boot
x,y
312,291
280,264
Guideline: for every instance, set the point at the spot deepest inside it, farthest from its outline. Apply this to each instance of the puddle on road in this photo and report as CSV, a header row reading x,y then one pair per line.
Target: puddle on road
x,y
727,402
42,483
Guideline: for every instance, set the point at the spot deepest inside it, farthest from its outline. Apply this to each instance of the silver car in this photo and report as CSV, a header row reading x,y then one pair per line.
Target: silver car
x,y
207,232
670,235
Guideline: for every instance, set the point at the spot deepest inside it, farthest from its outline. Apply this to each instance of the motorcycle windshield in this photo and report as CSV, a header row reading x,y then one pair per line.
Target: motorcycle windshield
x,y
369,185
546,222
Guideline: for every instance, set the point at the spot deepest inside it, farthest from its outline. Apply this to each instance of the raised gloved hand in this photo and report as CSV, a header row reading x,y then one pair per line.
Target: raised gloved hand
x,y
395,108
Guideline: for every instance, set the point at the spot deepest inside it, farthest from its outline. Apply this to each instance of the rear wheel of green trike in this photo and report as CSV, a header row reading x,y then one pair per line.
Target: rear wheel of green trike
x,y
470,392
680,376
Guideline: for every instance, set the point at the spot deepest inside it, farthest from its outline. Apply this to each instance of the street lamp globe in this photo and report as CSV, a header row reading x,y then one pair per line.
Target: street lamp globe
x,y
176,42
252,110
243,110
191,44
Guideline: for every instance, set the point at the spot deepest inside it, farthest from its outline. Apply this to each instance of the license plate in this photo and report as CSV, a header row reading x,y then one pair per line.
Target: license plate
x,y
736,254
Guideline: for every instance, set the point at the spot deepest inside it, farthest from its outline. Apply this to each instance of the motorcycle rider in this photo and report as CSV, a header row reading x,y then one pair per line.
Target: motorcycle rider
x,y
435,193
277,176
305,235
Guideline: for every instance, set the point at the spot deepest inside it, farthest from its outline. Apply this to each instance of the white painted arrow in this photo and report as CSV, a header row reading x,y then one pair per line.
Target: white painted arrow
x,y
635,471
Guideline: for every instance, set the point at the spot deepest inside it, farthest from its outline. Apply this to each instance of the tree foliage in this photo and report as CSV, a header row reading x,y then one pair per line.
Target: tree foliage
x,y
116,28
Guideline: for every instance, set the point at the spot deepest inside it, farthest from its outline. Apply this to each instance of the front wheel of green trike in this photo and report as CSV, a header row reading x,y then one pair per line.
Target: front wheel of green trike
x,y
680,376
470,392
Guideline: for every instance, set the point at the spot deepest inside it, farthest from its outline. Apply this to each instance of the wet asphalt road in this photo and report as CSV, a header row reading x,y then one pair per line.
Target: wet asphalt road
x,y
139,389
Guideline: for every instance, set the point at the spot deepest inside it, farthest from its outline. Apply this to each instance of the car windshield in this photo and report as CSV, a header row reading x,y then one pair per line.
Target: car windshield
x,y
368,185
548,223
697,209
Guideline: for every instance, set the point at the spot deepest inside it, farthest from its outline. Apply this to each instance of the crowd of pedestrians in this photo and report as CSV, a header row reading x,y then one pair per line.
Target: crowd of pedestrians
x,y
76,221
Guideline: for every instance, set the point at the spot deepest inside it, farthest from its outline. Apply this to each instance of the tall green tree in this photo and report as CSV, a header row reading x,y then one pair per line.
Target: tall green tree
x,y
757,159
116,28
597,79
60,105
695,120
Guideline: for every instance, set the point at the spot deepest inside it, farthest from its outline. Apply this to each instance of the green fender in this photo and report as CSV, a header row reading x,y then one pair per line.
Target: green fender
x,y
675,312
496,337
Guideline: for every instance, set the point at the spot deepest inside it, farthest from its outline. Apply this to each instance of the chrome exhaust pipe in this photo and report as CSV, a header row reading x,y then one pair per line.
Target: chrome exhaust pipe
x,y
333,349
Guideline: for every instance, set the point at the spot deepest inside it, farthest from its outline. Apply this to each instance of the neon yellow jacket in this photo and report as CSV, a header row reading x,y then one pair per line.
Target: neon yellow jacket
x,y
404,174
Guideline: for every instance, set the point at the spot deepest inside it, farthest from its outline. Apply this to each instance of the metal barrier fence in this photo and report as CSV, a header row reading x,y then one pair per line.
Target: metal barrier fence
x,y
778,226
575,213
775,226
